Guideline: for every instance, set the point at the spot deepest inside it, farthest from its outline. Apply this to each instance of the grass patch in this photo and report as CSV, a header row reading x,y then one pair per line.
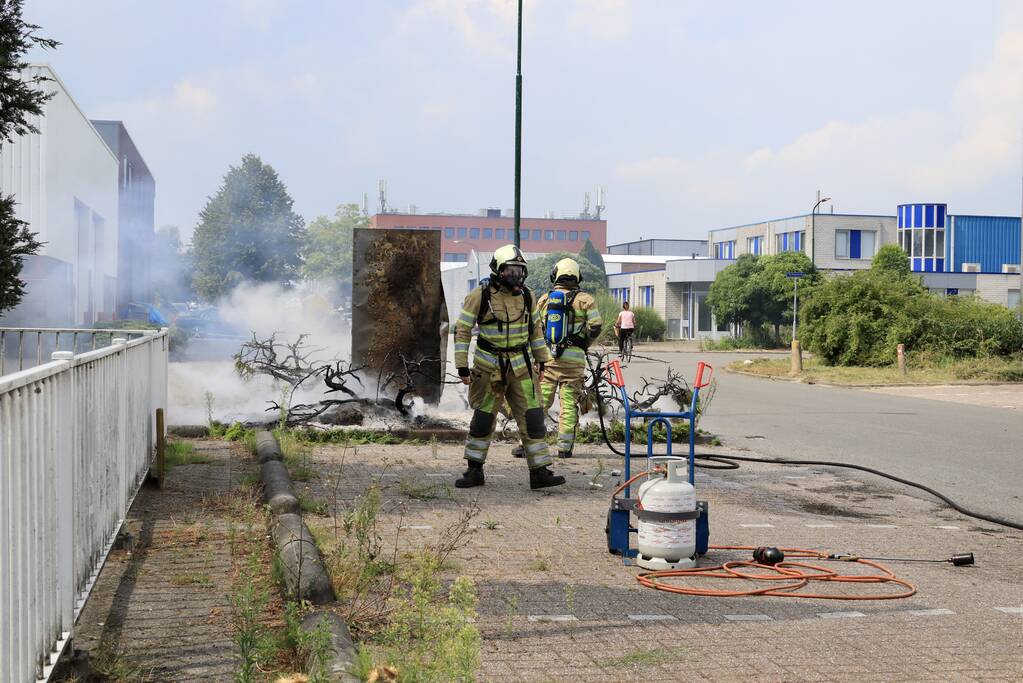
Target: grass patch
x,y
590,432
415,491
182,453
539,564
200,579
312,505
638,658
946,371
297,455
353,436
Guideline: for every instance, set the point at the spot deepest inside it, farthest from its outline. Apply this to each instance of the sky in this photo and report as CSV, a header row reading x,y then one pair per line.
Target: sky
x,y
691,116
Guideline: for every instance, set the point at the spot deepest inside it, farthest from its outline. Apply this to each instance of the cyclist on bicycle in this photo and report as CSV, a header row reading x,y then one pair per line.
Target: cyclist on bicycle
x,y
625,325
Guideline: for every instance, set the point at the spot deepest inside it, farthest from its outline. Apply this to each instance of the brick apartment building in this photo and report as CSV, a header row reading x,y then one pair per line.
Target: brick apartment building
x,y
462,233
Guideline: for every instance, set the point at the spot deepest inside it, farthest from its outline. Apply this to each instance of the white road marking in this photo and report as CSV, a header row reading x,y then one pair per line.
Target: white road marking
x,y
1010,610
417,527
946,526
840,615
929,612
438,474
881,526
652,617
795,476
748,617
552,617
757,526
821,526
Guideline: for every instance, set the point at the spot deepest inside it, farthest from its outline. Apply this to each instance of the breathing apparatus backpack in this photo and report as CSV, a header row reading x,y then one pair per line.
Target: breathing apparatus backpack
x,y
560,321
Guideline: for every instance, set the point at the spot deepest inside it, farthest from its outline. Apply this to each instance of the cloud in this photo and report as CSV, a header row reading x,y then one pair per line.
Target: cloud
x,y
970,144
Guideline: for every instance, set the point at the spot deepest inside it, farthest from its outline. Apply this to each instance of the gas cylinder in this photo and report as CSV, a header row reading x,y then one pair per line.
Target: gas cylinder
x,y
667,543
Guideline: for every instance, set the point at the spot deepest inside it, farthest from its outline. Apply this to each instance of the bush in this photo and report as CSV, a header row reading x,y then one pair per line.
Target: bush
x,y
861,318
649,324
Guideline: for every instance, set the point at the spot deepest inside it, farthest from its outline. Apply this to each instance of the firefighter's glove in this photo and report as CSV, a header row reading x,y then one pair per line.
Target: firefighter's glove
x,y
464,374
539,372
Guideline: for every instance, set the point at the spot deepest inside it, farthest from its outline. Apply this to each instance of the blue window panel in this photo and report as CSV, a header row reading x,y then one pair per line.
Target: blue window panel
x,y
525,235
474,233
940,222
488,233
573,236
917,265
799,243
940,267
536,238
562,235
586,235
499,233
450,234
461,234
902,217
785,242
548,235
928,265
918,218
854,244
929,216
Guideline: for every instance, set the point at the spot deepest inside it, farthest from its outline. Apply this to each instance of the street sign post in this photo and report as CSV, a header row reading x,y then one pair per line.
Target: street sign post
x,y
795,299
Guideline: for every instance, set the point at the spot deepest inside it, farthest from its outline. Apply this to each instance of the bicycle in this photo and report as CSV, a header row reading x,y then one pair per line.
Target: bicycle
x,y
626,351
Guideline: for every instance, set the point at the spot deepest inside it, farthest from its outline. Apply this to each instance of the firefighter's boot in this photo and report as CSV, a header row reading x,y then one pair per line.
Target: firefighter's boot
x,y
542,477
473,476
519,451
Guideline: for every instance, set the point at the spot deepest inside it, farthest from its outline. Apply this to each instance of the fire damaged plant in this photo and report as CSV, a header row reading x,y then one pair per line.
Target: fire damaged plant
x,y
296,364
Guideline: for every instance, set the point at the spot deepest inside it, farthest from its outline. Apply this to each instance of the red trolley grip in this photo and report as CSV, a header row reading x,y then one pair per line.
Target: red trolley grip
x,y
699,374
614,373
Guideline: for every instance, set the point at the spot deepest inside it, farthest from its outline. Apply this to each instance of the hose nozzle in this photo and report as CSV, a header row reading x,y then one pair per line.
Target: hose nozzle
x,y
961,559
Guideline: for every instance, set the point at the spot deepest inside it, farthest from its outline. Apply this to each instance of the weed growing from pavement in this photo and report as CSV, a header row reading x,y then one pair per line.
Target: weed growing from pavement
x,y
490,524
312,505
297,455
654,657
511,609
540,564
311,649
198,579
182,453
595,479
108,664
411,489
570,598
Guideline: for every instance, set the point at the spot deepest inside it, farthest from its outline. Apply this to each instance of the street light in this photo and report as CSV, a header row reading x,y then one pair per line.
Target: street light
x,y
813,232
518,132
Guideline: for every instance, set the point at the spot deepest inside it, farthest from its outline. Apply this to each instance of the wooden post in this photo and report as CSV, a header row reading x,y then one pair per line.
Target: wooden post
x,y
161,442
797,357
901,353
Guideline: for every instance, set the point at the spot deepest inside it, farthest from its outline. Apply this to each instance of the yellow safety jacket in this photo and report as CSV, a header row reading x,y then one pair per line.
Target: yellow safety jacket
x,y
510,335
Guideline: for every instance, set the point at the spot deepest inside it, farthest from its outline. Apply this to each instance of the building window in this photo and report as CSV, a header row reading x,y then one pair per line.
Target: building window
x,y
548,235
456,257
724,250
620,294
524,233
857,244
499,234
449,233
488,233
755,245
573,236
461,233
536,235
789,241
586,236
562,235
474,233
646,296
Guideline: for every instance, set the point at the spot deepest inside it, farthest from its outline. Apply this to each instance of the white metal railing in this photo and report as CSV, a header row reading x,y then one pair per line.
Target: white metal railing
x,y
77,437
25,347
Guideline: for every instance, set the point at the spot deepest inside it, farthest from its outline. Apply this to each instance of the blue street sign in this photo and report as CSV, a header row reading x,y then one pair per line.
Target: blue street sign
x,y
952,291
795,274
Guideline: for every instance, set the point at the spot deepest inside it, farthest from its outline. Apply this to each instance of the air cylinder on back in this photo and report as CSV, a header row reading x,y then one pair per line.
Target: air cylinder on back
x,y
667,518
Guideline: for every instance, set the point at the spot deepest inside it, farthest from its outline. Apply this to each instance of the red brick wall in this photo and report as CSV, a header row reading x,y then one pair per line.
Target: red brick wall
x,y
454,243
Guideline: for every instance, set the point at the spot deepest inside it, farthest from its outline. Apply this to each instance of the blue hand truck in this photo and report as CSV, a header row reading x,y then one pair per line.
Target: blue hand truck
x,y
619,524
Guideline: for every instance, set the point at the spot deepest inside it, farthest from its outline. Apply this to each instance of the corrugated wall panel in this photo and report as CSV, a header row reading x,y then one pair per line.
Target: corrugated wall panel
x,y
988,240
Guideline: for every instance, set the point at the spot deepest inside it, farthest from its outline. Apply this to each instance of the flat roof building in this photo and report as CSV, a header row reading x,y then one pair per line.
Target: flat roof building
x,y
492,228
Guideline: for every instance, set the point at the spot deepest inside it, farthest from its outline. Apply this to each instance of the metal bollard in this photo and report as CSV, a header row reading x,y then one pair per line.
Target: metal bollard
x,y
900,352
797,357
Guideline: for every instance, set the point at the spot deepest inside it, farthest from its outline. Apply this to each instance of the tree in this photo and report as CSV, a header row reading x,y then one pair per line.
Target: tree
x,y
776,288
891,259
246,231
539,279
732,298
20,98
590,253
328,246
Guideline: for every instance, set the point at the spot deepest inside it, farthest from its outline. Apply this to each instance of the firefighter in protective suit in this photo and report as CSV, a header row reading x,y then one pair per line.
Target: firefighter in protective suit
x,y
572,321
508,366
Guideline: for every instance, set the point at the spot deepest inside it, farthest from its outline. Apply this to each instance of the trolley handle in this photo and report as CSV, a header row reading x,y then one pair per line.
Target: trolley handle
x,y
700,367
614,374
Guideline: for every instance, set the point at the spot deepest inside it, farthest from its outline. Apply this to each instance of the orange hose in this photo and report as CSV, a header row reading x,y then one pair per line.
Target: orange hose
x,y
795,575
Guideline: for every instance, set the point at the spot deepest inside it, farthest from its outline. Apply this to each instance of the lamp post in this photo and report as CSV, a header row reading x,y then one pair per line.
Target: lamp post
x,y
518,132
813,231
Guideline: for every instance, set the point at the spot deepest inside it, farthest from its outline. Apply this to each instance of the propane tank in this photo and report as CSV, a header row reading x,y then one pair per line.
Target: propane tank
x,y
667,544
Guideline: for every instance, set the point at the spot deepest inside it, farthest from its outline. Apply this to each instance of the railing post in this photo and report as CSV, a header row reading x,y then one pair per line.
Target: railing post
x,y
161,441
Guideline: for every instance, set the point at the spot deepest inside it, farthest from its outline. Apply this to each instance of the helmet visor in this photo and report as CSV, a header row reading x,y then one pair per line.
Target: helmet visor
x,y
513,274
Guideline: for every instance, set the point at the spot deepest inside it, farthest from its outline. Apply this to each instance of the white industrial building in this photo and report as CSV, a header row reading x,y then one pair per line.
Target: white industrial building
x,y
65,180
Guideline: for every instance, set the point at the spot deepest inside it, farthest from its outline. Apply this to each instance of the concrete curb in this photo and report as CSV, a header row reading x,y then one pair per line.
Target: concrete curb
x,y
804,380
305,574
304,571
342,648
